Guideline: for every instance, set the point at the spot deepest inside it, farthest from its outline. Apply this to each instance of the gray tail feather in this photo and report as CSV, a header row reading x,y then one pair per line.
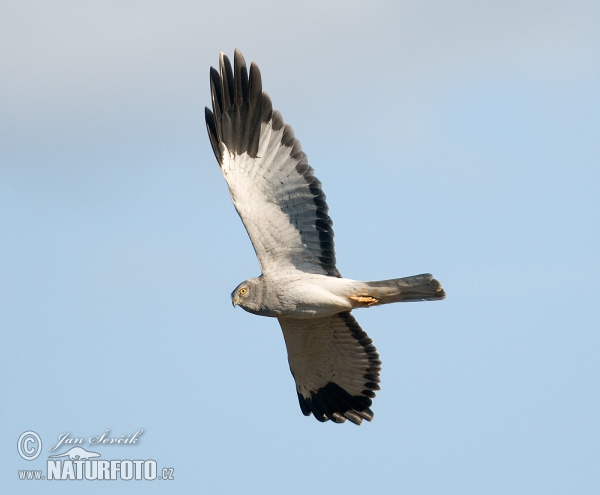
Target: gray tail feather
x,y
416,288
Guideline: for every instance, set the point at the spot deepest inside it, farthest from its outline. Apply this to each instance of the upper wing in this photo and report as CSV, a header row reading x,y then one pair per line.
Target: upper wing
x,y
272,186
335,366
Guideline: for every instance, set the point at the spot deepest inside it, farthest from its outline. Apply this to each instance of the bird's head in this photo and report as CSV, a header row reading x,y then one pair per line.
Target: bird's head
x,y
248,295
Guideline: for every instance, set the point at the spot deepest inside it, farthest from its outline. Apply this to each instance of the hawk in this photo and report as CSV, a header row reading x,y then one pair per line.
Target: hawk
x,y
280,201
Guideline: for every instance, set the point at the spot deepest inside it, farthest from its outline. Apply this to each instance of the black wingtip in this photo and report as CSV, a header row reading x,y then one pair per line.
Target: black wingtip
x,y
241,78
255,77
239,106
332,402
212,133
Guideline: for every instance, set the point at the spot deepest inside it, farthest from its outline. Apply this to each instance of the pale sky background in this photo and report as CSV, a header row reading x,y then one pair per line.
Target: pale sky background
x,y
457,138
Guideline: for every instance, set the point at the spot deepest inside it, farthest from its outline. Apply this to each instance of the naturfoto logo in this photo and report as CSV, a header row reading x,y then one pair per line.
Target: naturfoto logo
x,y
79,463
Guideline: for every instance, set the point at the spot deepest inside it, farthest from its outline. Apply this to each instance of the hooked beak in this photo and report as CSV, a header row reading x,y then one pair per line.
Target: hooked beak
x,y
235,300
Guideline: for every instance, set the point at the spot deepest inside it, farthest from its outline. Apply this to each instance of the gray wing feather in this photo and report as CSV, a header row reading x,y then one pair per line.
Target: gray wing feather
x,y
272,186
335,366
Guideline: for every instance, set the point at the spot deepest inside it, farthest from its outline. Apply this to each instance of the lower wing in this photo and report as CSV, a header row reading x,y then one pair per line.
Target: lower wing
x,y
335,366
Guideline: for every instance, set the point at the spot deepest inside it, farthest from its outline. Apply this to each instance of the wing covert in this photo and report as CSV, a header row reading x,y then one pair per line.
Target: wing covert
x,y
273,188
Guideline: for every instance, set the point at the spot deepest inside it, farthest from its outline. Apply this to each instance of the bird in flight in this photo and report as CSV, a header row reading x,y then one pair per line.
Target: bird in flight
x,y
280,201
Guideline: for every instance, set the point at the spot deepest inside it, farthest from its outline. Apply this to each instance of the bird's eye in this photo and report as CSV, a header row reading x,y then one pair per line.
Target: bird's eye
x,y
243,291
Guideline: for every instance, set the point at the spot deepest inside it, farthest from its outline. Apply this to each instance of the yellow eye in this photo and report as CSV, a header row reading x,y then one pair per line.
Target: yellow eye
x,y
243,291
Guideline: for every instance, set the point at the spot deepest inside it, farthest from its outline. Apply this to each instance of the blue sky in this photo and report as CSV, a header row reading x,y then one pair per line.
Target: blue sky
x,y
456,138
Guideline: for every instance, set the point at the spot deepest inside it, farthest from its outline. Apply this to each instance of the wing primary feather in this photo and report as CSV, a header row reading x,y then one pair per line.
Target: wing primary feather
x,y
354,417
304,407
338,418
255,101
227,82
241,79
240,104
212,134
227,130
216,95
255,83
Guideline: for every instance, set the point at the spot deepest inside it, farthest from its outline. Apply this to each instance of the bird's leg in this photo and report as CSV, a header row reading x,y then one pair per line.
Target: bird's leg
x,y
364,300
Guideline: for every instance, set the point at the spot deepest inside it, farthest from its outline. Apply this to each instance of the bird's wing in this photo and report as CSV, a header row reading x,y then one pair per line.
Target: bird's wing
x,y
335,366
272,186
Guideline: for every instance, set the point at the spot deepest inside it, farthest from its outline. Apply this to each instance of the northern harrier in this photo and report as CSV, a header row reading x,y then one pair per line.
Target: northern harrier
x,y
281,203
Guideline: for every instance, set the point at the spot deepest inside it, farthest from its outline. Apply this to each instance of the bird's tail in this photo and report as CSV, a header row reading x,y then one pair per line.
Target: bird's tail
x,y
416,288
